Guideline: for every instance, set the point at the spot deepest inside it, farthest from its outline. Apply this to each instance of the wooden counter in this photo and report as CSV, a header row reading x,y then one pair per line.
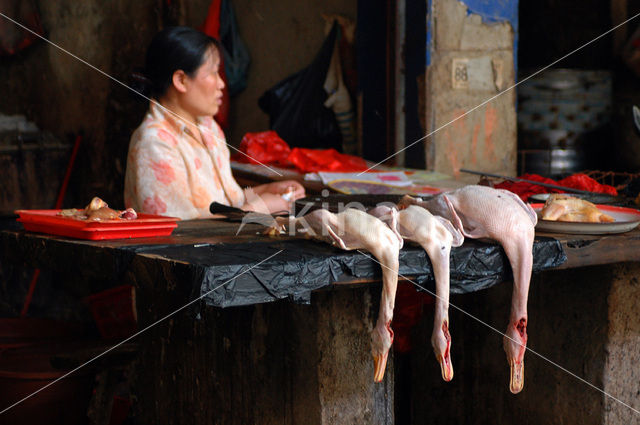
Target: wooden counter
x,y
286,363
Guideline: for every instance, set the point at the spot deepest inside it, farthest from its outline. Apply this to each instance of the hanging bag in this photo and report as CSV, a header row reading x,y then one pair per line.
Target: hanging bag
x,y
296,104
236,55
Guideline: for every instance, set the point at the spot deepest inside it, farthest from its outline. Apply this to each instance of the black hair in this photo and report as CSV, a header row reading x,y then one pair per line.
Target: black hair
x,y
172,49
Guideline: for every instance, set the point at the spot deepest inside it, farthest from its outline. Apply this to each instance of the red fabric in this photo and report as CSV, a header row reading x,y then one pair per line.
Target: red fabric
x,y
576,181
12,37
268,148
584,182
211,27
313,160
265,147
524,189
407,313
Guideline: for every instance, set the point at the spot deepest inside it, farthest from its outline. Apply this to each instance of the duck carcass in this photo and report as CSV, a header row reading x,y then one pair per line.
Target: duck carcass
x,y
484,212
436,235
355,229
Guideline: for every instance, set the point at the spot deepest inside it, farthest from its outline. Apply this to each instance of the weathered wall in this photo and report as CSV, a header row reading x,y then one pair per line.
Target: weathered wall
x,y
283,37
584,320
471,61
621,373
276,363
64,96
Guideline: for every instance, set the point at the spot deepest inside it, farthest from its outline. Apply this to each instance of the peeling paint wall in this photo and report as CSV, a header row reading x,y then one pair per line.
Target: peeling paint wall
x,y
471,60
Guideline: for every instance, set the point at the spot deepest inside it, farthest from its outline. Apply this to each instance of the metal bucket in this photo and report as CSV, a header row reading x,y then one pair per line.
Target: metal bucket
x,y
551,162
562,111
23,371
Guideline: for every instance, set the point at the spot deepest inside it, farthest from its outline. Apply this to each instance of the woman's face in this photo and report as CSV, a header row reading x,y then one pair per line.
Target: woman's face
x,y
203,95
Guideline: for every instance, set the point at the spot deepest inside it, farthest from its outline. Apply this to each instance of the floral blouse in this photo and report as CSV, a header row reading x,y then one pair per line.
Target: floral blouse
x,y
172,172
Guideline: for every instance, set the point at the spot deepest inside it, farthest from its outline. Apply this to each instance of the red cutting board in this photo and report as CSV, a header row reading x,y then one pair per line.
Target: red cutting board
x,y
47,221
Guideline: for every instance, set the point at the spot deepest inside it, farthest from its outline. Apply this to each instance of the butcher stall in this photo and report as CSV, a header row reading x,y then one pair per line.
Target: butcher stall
x,y
154,320
280,333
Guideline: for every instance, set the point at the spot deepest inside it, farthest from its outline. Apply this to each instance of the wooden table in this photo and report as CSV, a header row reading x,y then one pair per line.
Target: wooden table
x,y
255,174
288,363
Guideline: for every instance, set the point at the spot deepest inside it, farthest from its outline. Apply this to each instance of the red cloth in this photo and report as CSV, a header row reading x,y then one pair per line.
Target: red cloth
x,y
407,313
12,37
576,181
524,189
313,160
268,148
265,147
211,27
584,182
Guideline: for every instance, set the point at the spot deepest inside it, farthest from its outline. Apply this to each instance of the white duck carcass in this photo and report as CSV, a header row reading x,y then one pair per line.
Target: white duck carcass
x,y
355,229
485,212
436,235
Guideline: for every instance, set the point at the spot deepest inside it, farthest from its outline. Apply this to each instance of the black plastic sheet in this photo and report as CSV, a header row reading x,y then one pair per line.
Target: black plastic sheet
x,y
237,274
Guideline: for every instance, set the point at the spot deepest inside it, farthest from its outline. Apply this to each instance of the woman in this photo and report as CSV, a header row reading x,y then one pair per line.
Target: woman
x,y
178,161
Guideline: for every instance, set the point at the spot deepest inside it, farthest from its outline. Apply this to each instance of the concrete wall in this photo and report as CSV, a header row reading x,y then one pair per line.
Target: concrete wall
x,y
583,320
276,363
470,62
282,37
64,96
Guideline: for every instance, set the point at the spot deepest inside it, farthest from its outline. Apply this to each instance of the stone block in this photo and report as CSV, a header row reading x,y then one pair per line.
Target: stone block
x,y
479,35
456,29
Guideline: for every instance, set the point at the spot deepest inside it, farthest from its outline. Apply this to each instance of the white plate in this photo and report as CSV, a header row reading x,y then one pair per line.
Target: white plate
x,y
595,198
625,219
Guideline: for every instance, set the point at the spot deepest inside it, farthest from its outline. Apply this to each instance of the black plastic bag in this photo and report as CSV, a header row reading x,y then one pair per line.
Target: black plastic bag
x,y
236,55
296,104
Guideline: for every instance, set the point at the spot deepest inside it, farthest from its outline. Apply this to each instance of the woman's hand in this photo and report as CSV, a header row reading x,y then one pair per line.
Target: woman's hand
x,y
291,187
276,197
267,203
277,204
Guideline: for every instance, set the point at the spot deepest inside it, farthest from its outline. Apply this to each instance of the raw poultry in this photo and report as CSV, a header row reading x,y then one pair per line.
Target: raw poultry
x,y
355,229
98,210
484,212
560,207
436,235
